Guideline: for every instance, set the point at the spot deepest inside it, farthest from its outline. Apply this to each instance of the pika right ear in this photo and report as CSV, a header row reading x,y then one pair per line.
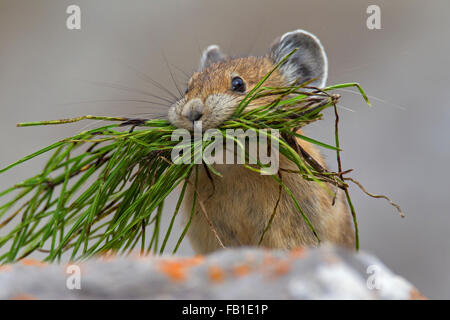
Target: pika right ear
x,y
211,55
308,62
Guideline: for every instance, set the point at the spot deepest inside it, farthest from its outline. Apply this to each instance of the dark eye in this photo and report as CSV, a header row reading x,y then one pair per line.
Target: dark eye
x,y
237,84
187,90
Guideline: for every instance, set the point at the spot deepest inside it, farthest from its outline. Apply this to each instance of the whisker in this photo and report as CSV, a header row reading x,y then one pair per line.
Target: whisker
x,y
147,78
171,75
182,71
377,99
345,108
152,115
125,88
118,101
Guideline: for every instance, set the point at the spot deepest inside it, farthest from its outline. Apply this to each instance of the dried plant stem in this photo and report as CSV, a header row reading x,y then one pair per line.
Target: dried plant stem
x,y
208,220
272,216
347,195
378,196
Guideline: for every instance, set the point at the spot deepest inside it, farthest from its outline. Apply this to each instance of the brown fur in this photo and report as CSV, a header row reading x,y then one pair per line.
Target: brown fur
x,y
240,204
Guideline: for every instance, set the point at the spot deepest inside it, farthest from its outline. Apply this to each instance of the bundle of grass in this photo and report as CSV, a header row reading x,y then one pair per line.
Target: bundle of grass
x,y
101,189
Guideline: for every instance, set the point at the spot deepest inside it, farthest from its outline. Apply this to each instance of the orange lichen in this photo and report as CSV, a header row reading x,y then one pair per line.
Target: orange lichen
x,y
269,259
176,269
32,262
281,268
23,296
5,268
241,270
194,261
416,295
216,274
297,253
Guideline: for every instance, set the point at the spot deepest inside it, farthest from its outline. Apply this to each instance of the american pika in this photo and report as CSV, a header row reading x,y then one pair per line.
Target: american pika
x,y
240,203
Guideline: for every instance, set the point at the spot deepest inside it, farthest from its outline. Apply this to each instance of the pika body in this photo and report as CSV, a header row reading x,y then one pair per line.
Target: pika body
x,y
240,202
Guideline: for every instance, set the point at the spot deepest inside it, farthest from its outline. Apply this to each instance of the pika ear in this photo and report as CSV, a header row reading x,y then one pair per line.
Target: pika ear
x,y
211,55
308,62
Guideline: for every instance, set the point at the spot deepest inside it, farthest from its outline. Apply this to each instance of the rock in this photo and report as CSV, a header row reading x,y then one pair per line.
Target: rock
x,y
244,273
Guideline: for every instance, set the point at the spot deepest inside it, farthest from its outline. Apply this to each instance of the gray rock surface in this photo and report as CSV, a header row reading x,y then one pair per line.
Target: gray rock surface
x,y
245,273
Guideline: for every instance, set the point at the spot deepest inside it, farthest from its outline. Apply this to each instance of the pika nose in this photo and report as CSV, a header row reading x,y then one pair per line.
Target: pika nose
x,y
193,110
194,115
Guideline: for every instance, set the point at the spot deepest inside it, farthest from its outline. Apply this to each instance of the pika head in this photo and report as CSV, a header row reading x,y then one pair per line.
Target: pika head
x,y
216,89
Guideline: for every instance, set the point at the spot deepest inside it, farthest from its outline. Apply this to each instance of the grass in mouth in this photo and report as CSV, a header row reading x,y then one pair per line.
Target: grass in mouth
x,y
101,189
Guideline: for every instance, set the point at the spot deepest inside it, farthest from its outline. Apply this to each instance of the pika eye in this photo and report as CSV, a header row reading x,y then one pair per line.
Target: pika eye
x,y
237,84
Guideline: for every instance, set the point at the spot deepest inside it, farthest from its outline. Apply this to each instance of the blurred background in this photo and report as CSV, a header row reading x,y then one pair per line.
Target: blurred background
x,y
399,147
